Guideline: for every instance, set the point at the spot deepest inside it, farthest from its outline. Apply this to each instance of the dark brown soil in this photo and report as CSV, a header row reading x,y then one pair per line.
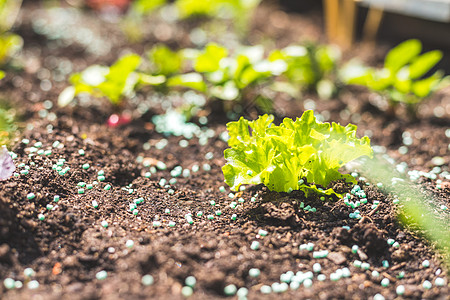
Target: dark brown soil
x,y
71,245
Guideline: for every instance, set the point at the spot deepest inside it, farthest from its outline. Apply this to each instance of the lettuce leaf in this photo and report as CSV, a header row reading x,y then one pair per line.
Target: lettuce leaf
x,y
298,154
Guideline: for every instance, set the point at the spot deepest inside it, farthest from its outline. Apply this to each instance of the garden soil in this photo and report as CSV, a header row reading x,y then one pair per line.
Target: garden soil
x,y
72,244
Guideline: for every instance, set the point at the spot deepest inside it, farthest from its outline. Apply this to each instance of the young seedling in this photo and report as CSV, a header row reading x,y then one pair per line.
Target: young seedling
x,y
402,79
296,155
113,83
310,67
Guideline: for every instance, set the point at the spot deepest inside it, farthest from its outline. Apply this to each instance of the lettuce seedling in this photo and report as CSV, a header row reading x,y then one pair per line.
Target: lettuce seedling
x,y
113,82
165,61
296,155
402,79
312,67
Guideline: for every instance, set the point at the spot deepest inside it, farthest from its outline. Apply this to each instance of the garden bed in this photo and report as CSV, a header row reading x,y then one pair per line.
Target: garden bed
x,y
88,244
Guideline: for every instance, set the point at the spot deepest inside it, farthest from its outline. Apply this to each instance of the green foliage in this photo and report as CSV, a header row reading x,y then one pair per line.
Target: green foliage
x,y
292,155
10,44
111,82
233,9
143,7
165,61
402,77
228,77
312,67
8,126
417,210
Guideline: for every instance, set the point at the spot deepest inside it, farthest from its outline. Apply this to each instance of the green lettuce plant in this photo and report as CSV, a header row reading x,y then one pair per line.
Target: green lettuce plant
x,y
8,124
10,43
113,82
296,155
403,76
310,67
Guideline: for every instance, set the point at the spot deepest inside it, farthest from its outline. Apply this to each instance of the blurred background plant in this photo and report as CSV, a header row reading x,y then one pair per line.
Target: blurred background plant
x,y
8,124
403,76
10,43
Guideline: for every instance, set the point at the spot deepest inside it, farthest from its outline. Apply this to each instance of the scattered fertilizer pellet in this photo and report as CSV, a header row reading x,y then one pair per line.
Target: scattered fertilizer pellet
x,y
41,217
321,277
439,281
279,287
262,232
426,263
242,293
355,248
320,254
400,290
190,281
33,284
9,283
199,213
254,245
385,282
129,244
101,178
378,297
385,263
234,217
357,263
18,284
49,207
400,275
230,290
365,266
294,285
80,191
104,224
375,274
81,152
94,203
31,196
101,275
346,272
86,166
210,217
265,289
187,291
427,285
29,272
172,224
147,174
147,280
218,212
155,223
307,283
317,268
222,189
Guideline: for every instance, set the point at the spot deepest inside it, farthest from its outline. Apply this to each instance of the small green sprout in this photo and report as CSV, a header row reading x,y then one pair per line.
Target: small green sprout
x,y
113,82
402,79
312,67
288,156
